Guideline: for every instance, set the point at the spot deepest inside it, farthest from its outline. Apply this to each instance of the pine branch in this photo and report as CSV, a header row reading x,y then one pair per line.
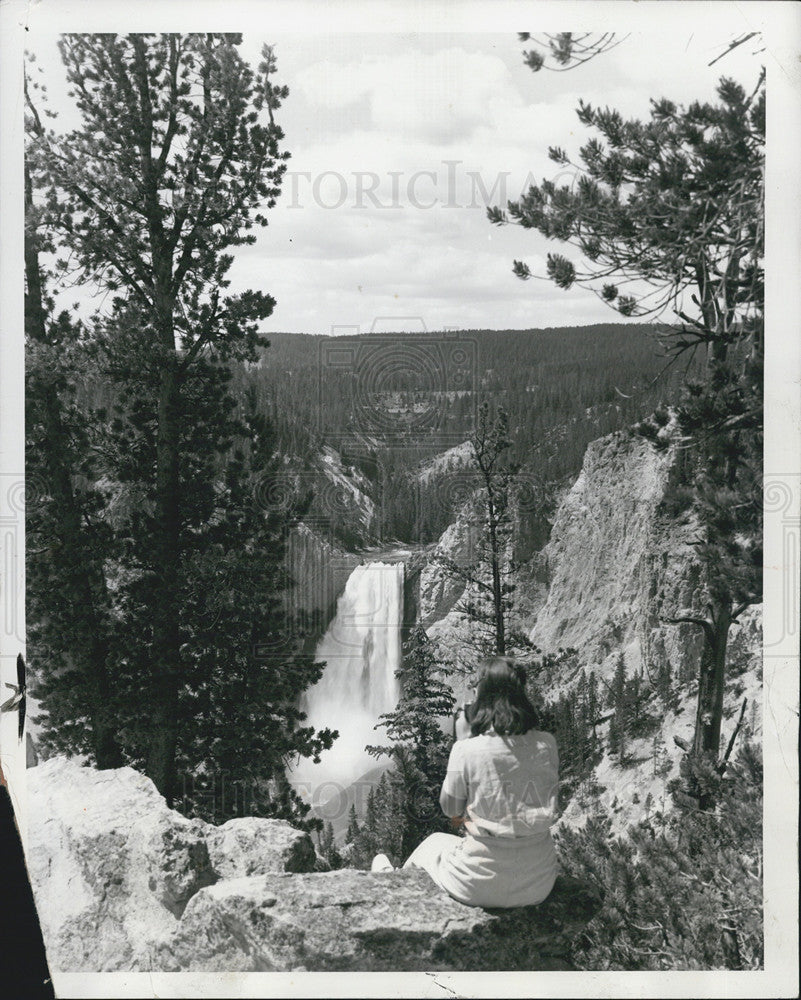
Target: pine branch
x,y
740,608
705,624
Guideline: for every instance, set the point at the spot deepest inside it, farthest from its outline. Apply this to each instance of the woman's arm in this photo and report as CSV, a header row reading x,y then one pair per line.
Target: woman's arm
x,y
453,797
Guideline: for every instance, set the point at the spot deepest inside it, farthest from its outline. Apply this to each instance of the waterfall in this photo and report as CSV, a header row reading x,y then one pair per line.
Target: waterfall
x,y
362,651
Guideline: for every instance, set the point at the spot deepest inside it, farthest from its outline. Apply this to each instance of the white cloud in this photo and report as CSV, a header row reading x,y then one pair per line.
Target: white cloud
x,y
396,148
435,96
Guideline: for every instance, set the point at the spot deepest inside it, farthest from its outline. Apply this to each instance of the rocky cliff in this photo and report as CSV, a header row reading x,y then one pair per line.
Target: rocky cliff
x,y
619,559
122,883
617,562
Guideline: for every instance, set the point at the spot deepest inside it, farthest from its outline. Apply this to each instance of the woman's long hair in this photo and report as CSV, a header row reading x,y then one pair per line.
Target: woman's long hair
x,y
501,700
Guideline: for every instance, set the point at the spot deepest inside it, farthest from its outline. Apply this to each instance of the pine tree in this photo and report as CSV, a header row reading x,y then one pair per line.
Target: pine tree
x,y
675,206
171,167
353,826
618,726
328,848
489,576
638,717
370,824
681,891
389,817
362,840
664,684
68,541
660,756
593,710
419,747
70,622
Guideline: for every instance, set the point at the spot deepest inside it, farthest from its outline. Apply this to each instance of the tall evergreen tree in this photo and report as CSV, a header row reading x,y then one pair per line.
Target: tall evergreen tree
x,y
175,160
618,702
673,208
328,847
419,746
353,826
70,625
488,577
389,825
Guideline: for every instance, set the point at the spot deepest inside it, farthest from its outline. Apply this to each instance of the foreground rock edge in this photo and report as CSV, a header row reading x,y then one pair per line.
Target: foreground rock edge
x,y
123,883
350,920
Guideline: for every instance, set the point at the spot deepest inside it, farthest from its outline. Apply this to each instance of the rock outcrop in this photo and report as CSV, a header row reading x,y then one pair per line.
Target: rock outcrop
x,y
123,883
113,867
253,846
353,920
439,589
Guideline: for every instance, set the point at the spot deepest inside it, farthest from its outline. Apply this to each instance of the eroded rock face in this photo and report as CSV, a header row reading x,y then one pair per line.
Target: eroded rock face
x,y
620,559
122,883
439,589
353,920
607,558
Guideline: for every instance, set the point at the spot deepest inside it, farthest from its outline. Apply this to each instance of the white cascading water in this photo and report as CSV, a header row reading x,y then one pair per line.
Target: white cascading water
x,y
362,652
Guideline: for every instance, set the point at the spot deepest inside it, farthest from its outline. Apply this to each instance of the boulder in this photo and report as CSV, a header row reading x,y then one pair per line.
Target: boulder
x,y
351,920
252,846
112,867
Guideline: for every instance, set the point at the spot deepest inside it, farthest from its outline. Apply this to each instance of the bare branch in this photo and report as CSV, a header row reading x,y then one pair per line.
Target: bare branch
x,y
725,759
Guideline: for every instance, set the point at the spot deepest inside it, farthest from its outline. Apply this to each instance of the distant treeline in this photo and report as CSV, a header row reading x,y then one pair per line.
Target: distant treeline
x,y
390,402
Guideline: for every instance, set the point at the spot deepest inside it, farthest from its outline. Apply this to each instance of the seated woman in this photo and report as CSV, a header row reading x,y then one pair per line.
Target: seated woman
x,y
502,785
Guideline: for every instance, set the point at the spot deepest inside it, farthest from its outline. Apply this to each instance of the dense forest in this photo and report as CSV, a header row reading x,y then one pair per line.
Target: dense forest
x,y
561,388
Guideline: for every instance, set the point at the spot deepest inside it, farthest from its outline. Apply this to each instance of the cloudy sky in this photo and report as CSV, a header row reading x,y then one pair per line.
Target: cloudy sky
x,y
399,141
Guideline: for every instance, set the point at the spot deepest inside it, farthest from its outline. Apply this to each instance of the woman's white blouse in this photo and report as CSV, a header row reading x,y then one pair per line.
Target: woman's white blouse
x,y
506,786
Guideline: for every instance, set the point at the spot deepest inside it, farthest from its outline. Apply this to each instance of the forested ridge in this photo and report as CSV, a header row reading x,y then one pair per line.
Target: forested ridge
x,y
561,387
544,378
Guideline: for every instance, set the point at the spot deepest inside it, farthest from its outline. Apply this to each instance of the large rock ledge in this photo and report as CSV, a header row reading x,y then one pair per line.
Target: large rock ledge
x,y
122,883
354,920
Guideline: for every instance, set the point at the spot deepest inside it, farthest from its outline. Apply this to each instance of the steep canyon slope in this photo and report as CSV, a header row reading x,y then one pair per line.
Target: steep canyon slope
x,y
619,561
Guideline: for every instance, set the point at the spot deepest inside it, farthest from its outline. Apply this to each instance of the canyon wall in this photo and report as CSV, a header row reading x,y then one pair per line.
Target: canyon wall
x,y
619,560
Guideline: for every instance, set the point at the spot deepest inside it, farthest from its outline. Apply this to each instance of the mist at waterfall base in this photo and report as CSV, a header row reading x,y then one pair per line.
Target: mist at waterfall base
x,y
362,652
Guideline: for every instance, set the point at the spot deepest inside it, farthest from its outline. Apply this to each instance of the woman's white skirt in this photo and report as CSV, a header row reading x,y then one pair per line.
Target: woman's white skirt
x,y
489,871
